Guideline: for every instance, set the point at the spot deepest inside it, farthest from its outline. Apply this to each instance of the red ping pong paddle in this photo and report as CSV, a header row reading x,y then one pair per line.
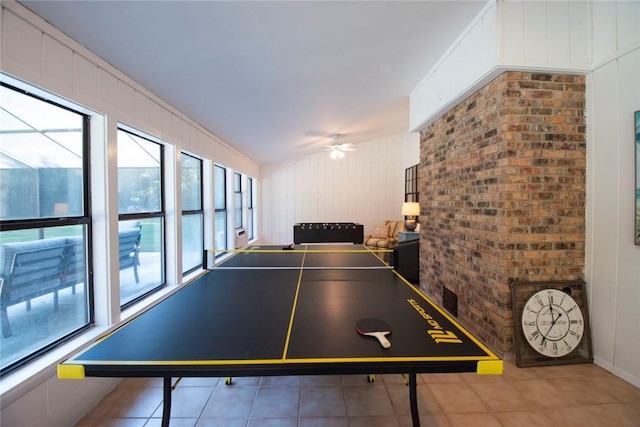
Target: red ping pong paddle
x,y
375,328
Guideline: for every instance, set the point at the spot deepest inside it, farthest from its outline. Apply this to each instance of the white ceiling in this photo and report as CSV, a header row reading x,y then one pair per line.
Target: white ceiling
x,y
273,79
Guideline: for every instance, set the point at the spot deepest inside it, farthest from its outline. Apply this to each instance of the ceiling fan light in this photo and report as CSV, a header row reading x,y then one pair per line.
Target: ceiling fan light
x,y
336,154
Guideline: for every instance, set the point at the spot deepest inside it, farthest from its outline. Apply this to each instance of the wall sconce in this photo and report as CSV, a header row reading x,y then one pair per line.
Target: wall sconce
x,y
411,210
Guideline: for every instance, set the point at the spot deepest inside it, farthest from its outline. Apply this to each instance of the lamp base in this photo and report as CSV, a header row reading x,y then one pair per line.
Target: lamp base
x,y
410,224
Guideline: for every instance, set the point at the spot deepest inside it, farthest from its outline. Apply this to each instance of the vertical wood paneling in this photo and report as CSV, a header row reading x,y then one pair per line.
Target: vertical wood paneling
x,y
511,37
560,24
628,24
21,48
628,273
536,31
604,25
606,212
85,79
108,89
57,66
579,14
367,187
470,58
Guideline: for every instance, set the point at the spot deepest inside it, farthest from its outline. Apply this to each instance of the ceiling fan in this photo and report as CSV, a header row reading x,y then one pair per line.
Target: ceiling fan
x,y
337,151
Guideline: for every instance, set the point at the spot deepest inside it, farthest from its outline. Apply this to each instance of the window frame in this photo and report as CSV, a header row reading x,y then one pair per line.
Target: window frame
x,y
84,220
139,216
192,212
411,190
238,220
251,225
223,210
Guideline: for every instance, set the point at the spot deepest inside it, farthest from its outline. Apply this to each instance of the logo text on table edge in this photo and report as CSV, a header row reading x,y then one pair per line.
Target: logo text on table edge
x,y
438,333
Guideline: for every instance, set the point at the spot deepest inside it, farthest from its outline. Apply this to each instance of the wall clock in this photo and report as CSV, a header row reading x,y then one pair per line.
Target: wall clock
x,y
551,323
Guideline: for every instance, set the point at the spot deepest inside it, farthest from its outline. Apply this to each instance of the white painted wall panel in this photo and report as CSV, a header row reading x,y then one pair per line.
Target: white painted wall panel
x,y
57,66
605,214
628,24
613,263
367,187
552,35
559,24
604,30
510,22
469,59
580,35
628,266
85,80
108,87
537,38
21,48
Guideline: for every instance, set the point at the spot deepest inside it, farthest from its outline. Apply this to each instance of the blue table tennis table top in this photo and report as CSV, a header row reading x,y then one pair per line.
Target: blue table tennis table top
x,y
269,311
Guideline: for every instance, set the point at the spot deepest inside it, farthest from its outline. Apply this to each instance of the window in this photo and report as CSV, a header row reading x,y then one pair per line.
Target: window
x,y
192,213
411,190
45,293
220,206
141,216
237,199
251,211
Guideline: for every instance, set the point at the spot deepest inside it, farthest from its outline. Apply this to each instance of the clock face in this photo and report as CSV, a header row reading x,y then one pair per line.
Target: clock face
x,y
552,323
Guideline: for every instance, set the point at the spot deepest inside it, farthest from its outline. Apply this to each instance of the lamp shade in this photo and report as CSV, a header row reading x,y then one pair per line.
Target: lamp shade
x,y
411,209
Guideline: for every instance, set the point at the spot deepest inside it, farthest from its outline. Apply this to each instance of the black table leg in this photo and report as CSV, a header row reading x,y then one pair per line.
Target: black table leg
x,y
413,400
166,409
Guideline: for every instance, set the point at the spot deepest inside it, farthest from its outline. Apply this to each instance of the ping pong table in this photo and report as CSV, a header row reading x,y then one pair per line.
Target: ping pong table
x,y
269,311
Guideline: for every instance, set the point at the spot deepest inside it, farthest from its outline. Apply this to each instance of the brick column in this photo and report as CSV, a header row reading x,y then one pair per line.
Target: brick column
x,y
502,194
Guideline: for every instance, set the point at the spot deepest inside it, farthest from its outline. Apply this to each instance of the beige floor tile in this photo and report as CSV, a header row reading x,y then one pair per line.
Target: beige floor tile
x,y
222,422
322,401
523,419
575,416
540,394
276,402
137,402
621,390
425,421
173,422
284,381
399,395
457,398
273,422
324,422
230,401
380,421
440,378
310,380
616,414
502,396
187,402
581,391
473,419
367,400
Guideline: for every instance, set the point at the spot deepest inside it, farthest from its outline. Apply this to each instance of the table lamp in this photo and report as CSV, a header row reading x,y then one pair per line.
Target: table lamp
x,y
411,210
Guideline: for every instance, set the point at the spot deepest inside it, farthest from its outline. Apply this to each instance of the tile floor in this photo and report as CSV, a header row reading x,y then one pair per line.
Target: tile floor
x,y
556,396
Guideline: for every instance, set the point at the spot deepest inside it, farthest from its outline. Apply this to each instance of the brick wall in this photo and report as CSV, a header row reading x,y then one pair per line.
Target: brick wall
x,y
502,195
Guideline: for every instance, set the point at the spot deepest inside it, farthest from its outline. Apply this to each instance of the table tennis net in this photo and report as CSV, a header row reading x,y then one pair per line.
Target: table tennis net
x,y
308,257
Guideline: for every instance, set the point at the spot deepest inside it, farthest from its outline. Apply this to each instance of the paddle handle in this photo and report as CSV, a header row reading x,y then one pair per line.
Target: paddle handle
x,y
384,342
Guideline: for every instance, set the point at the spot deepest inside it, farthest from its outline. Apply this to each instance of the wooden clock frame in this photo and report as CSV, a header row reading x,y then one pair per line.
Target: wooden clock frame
x,y
526,356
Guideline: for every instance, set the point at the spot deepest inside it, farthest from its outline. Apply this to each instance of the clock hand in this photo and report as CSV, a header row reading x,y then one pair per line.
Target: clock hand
x,y
553,322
